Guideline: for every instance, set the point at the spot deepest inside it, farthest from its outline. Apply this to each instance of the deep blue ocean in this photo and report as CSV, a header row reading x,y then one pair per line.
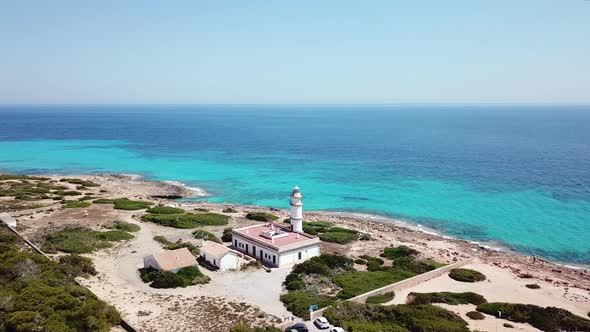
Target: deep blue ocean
x,y
515,175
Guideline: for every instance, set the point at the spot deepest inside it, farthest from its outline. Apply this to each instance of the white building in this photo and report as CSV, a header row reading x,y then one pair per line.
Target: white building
x,y
170,260
277,245
220,256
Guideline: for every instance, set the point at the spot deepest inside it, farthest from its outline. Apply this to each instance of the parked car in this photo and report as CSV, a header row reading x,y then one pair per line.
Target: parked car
x,y
322,323
299,327
337,329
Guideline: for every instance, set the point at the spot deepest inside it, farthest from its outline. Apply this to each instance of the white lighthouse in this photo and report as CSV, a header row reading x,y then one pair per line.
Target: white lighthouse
x,y
296,211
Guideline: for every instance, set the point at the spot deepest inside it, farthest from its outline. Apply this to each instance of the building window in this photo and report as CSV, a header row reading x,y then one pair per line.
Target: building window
x,y
236,243
274,259
299,255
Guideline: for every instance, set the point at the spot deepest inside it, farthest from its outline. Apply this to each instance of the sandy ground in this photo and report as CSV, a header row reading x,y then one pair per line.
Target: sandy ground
x,y
253,296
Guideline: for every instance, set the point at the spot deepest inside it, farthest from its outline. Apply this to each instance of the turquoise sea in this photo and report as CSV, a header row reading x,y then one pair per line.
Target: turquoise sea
x,y
517,176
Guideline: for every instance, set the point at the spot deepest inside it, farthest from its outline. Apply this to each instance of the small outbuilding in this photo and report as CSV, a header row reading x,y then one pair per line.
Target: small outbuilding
x,y
171,260
220,256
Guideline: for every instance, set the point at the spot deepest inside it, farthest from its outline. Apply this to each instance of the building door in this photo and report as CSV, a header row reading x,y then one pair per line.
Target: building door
x,y
254,251
246,248
274,259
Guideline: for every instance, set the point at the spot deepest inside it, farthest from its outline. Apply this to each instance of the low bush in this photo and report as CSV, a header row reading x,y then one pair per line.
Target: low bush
x,y
261,216
338,237
187,220
68,193
169,245
76,204
230,210
125,226
247,328
532,286
354,283
466,275
375,260
127,204
298,302
165,210
165,279
360,261
77,265
420,318
104,201
226,236
202,234
445,297
475,315
80,240
549,319
398,252
415,265
383,298
81,182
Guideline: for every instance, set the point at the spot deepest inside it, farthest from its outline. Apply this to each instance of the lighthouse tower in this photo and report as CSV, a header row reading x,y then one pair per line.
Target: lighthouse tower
x,y
296,211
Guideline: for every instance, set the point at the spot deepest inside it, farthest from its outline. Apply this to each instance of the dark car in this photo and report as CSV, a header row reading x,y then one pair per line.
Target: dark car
x,y
299,327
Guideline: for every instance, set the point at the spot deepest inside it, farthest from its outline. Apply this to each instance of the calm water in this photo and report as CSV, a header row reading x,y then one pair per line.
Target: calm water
x,y
519,175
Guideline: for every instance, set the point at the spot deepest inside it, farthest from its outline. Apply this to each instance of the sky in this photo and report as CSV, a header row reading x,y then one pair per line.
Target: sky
x,y
275,52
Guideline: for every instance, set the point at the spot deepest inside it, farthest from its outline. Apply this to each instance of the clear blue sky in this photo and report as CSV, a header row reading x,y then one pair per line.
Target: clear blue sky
x,y
294,52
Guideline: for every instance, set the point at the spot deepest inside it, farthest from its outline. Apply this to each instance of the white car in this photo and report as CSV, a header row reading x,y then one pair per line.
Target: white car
x,y
322,323
337,329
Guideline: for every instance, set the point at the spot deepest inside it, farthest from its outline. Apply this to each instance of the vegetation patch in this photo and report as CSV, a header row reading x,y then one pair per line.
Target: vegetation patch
x,y
261,216
38,294
76,204
76,265
104,201
328,233
354,316
475,315
80,240
81,182
230,210
298,302
446,297
165,210
202,234
187,220
248,328
466,275
549,319
169,245
383,298
125,226
165,279
399,252
355,283
338,237
127,204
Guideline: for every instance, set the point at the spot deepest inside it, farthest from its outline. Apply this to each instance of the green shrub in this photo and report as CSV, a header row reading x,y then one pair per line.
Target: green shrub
x,y
227,235
77,265
187,220
532,286
475,315
418,318
415,265
354,283
165,279
360,261
315,227
445,297
125,226
202,209
81,182
383,298
338,237
80,240
68,193
39,294
161,239
398,252
230,210
549,319
376,260
7,236
298,302
165,210
261,216
466,275
104,201
127,204
76,204
247,328
169,245
202,234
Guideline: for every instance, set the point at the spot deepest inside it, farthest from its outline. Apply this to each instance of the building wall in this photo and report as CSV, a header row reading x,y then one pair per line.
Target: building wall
x,y
150,261
292,257
270,257
230,261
